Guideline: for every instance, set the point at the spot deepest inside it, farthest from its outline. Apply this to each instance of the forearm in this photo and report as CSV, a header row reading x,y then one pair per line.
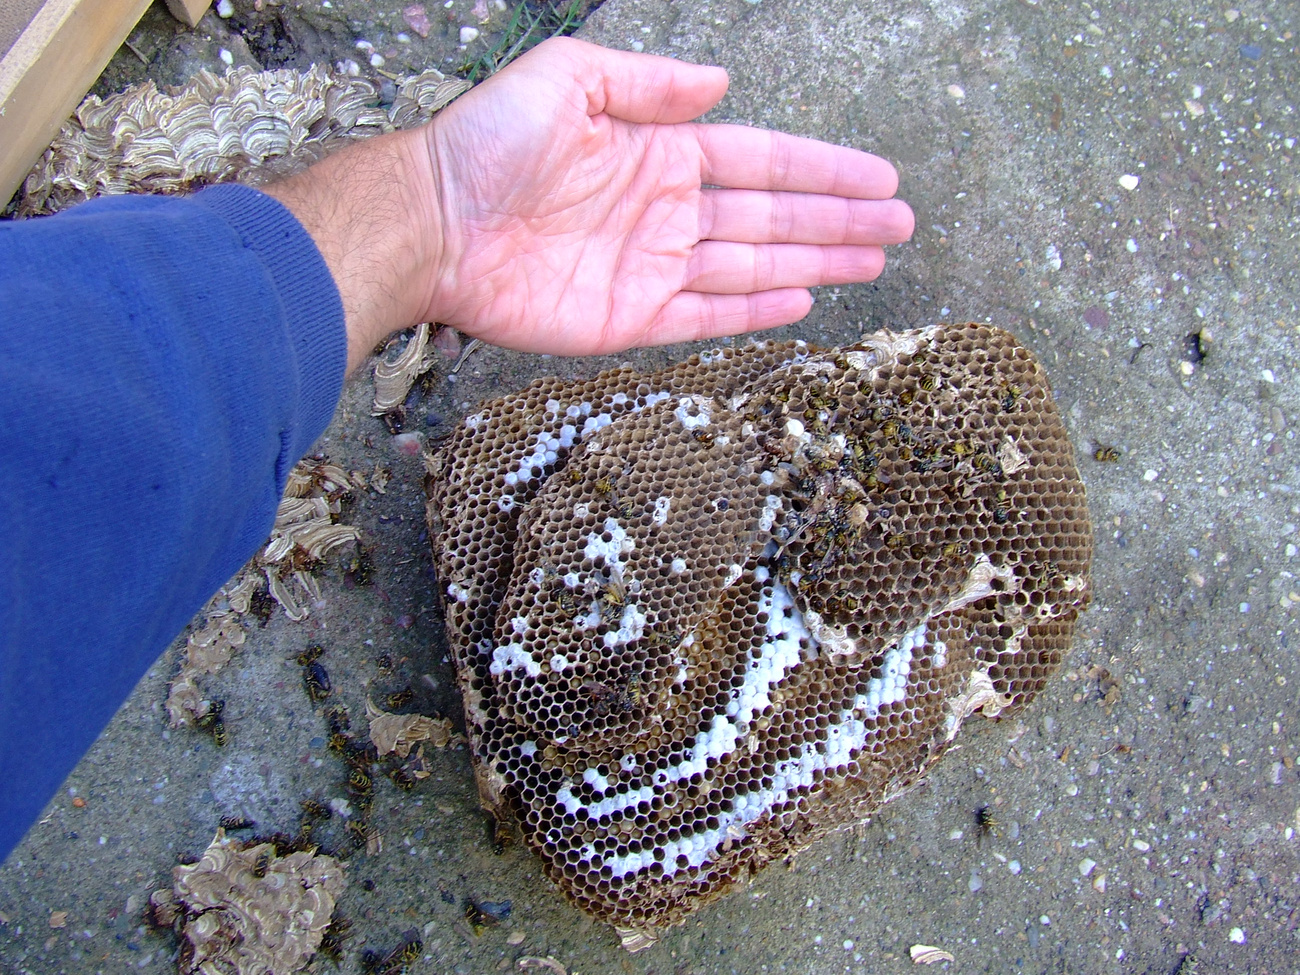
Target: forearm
x,y
163,364
371,209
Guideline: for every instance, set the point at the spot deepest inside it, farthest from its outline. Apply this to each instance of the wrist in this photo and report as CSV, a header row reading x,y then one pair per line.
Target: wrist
x,y
372,210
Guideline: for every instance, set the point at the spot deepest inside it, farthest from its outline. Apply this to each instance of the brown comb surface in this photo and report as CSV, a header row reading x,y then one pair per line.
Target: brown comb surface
x,y
705,616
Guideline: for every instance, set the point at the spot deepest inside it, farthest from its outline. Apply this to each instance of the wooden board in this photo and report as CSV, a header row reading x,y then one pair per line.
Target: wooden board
x,y
48,69
188,12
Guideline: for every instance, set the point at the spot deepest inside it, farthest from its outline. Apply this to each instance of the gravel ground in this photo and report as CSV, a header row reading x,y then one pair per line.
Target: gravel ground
x,y
1117,184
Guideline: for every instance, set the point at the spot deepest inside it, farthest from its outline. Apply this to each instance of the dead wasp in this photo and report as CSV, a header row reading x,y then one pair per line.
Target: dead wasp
x,y
848,601
261,864
384,663
633,691
861,456
261,606
338,719
889,429
985,824
483,915
359,780
961,448
397,961
987,464
1011,394
1001,507
1104,453
604,486
703,436
399,699
315,809
317,681
359,832
612,598
212,715
361,570
895,541
336,933
503,836
928,382
406,953
905,397
310,654
952,550
236,822
625,507
402,777
818,400
219,736
568,605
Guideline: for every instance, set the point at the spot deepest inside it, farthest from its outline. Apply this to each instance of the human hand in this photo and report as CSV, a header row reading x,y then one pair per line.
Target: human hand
x,y
573,198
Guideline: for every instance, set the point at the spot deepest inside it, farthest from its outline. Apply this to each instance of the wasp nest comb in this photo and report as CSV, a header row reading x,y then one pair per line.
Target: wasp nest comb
x,y
703,617
247,125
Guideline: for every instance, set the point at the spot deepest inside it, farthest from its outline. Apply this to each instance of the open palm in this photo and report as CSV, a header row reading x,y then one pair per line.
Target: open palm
x,y
581,211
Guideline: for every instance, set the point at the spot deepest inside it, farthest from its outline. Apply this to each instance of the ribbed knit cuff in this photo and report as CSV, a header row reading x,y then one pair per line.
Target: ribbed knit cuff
x,y
313,310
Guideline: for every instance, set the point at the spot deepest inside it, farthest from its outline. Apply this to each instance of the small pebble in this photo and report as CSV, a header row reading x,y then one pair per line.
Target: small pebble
x,y
1014,867
1142,846
1150,475
225,9
226,56
957,91
1129,181
1131,246
1237,936
515,938
1267,376
1099,883
1086,866
1231,15
1194,108
417,18
376,60
976,883
468,35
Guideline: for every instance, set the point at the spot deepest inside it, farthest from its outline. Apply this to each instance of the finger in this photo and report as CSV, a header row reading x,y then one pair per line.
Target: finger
x,y
723,267
690,316
640,87
756,217
757,159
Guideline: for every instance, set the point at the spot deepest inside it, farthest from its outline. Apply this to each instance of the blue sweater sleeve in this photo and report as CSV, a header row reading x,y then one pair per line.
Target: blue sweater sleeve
x,y
163,364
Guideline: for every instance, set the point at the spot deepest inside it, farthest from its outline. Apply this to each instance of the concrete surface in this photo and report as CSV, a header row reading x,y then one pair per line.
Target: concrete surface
x,y
1118,185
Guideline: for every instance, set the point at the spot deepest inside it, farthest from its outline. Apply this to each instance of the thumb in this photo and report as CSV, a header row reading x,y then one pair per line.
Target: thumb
x,y
639,87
